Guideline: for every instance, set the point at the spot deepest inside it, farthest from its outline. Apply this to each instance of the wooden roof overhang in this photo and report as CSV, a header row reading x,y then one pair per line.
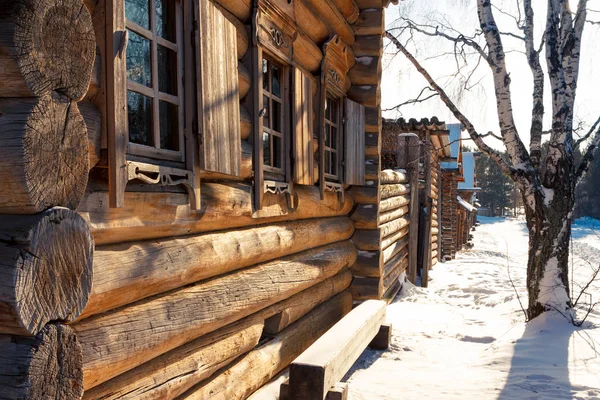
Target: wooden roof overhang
x,y
439,135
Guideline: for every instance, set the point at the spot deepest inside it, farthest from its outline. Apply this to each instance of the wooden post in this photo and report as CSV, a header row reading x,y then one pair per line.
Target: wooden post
x,y
383,339
408,159
426,260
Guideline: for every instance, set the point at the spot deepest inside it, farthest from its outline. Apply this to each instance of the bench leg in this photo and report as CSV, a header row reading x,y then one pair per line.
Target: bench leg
x,y
339,391
383,338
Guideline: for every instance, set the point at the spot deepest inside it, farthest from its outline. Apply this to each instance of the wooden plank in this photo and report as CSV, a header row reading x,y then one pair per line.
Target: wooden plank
x,y
218,91
324,363
408,158
354,143
116,102
303,127
383,339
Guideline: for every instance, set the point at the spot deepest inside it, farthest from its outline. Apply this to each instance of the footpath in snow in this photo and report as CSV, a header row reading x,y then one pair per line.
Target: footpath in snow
x,y
465,337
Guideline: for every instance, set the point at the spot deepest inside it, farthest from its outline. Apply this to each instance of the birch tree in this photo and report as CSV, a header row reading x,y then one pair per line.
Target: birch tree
x,y
547,183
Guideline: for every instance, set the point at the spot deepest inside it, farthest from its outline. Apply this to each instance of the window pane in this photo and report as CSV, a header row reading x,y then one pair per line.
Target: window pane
x,y
276,75
327,108
265,71
276,116
139,115
169,126
327,162
334,143
327,142
138,60
333,105
165,19
333,163
167,70
266,149
277,151
138,11
267,114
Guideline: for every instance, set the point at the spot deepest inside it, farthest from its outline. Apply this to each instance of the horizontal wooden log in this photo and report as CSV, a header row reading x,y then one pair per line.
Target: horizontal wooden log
x,y
393,203
392,277
244,80
44,151
47,366
392,239
124,273
370,22
367,95
392,215
366,288
93,122
45,269
365,194
171,374
311,22
300,304
241,9
393,190
255,369
329,12
326,362
364,4
365,216
373,120
368,46
366,71
306,53
391,251
151,215
348,9
375,238
34,57
116,342
245,123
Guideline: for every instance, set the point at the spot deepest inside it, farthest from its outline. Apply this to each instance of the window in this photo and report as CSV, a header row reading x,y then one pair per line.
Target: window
x,y
332,148
274,118
154,64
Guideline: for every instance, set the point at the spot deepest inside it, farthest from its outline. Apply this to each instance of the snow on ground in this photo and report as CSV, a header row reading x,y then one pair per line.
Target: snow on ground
x,y
464,337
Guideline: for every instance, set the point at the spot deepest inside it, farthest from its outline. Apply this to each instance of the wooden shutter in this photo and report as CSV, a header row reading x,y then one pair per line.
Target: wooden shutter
x,y
218,92
303,128
354,143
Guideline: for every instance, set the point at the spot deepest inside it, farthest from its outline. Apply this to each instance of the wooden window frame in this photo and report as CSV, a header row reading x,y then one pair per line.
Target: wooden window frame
x,y
155,153
274,173
338,124
128,161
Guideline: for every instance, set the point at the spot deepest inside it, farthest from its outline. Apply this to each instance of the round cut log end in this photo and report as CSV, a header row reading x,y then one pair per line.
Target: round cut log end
x,y
55,273
55,146
50,364
55,46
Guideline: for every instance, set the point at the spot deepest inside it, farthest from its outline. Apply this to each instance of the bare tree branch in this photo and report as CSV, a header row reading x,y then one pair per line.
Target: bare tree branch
x,y
417,99
476,137
587,135
588,157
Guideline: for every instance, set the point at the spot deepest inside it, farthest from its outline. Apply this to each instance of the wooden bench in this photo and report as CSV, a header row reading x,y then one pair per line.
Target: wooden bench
x,y
317,371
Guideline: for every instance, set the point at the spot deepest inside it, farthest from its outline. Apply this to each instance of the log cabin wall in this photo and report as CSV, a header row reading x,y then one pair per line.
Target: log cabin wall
x,y
449,216
176,279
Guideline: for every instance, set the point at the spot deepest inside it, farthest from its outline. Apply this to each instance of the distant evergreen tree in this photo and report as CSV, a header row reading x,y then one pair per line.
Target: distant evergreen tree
x,y
496,188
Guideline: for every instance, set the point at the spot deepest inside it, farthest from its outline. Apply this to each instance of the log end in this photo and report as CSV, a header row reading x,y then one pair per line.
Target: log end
x,y
48,366
54,278
56,148
55,45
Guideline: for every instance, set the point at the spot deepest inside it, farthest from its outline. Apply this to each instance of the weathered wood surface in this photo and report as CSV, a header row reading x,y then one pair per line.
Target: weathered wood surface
x,y
44,150
246,172
354,143
298,305
383,339
370,22
151,215
242,32
45,269
242,9
45,46
310,22
219,91
244,80
124,273
367,216
325,362
93,122
388,176
348,9
255,369
116,342
392,215
376,239
366,71
306,53
329,12
368,46
171,374
303,128
365,194
368,95
245,123
393,203
47,366
393,190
